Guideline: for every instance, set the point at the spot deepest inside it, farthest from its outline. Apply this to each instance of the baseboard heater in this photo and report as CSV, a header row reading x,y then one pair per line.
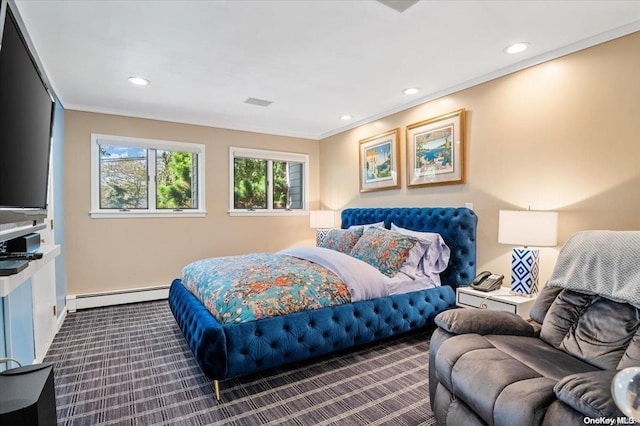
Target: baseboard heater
x,y
95,300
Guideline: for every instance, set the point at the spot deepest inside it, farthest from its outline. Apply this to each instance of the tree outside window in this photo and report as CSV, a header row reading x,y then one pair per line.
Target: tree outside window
x,y
267,180
249,183
174,177
125,183
123,177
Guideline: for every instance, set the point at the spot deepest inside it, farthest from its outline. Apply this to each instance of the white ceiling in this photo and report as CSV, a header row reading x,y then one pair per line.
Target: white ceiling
x,y
315,60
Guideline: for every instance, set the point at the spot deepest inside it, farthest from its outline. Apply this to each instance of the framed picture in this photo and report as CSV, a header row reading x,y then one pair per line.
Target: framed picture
x,y
379,165
435,150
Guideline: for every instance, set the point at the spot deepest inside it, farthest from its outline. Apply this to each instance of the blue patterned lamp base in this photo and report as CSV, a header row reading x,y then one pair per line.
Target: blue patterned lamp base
x,y
524,271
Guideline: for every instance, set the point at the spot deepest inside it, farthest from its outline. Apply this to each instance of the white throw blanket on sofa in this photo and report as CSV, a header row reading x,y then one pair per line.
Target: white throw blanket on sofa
x,y
606,263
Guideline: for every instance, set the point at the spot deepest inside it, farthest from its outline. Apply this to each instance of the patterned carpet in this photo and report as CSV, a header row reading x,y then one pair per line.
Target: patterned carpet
x,y
130,365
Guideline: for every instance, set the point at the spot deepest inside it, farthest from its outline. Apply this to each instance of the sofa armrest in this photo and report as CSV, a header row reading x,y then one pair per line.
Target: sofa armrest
x,y
478,321
589,393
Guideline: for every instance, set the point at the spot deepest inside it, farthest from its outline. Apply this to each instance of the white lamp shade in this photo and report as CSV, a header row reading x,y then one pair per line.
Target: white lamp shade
x,y
528,228
321,219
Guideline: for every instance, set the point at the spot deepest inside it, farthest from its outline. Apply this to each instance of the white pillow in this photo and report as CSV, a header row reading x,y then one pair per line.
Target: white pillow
x,y
369,225
436,256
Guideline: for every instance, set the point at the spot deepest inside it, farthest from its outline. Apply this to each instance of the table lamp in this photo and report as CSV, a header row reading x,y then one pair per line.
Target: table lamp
x,y
323,221
527,228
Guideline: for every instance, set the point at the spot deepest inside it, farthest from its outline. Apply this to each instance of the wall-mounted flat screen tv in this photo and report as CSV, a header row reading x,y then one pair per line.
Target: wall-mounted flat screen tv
x,y
26,114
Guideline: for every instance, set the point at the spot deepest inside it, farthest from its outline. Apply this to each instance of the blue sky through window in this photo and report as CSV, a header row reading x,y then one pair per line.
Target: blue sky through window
x,y
114,151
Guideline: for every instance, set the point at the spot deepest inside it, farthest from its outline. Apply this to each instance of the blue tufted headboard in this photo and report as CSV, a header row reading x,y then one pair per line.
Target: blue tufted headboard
x,y
457,226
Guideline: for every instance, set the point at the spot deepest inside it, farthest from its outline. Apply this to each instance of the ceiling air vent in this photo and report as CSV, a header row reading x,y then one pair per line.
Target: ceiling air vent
x,y
259,102
399,5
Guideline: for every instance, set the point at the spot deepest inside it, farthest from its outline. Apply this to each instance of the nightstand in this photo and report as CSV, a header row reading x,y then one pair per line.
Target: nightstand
x,y
497,300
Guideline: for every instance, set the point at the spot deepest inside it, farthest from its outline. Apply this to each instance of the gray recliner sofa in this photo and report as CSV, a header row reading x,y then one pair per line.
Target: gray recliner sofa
x,y
495,368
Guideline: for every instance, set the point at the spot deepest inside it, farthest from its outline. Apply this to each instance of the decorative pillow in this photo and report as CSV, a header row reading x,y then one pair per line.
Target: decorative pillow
x,y
342,240
483,321
385,250
436,255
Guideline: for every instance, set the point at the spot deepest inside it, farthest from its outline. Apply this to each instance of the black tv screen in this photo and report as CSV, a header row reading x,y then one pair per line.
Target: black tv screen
x,y
26,109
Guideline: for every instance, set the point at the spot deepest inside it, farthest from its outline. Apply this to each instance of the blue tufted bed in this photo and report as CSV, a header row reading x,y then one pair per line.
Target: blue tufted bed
x,y
226,350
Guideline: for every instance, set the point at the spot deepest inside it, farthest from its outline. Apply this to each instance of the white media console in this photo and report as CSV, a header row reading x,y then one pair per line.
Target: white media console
x,y
28,309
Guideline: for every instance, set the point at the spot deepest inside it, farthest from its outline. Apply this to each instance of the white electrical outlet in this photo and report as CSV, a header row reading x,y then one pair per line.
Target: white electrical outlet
x,y
469,206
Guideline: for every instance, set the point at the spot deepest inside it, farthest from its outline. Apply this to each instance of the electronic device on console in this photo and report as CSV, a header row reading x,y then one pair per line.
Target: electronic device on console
x,y
20,255
10,267
14,262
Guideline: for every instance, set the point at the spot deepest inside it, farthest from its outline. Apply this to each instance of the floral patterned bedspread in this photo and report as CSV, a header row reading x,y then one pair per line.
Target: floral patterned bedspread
x,y
260,285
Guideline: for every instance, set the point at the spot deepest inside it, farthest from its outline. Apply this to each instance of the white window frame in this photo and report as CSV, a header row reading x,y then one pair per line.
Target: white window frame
x,y
98,213
275,156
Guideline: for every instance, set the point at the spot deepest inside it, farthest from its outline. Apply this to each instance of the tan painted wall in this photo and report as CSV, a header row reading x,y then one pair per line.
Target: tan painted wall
x,y
559,136
113,254
563,135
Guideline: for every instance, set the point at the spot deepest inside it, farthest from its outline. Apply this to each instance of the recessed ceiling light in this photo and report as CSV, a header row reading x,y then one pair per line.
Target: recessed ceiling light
x,y
410,91
516,48
138,81
346,117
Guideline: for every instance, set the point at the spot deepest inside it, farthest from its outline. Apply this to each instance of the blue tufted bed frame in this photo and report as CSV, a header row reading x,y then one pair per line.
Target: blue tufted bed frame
x,y
231,350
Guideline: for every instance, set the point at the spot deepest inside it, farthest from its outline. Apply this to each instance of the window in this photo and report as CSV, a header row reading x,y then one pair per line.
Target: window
x,y
267,182
144,177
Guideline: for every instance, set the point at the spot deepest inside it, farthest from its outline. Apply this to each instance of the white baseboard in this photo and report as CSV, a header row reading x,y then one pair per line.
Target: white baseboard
x,y
95,300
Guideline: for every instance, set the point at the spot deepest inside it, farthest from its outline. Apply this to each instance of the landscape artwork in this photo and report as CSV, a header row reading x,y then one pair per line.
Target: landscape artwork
x,y
379,162
435,150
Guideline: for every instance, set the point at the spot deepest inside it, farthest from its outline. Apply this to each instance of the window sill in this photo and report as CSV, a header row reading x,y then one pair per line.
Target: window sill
x,y
296,212
103,214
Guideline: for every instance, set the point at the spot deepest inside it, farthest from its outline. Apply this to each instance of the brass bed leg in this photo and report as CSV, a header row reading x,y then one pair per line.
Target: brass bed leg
x,y
216,388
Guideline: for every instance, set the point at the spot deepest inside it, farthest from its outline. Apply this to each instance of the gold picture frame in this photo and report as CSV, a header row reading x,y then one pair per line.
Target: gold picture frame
x,y
436,150
379,161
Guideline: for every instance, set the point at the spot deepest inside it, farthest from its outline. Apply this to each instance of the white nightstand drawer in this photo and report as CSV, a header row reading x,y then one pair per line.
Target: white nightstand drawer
x,y
473,301
498,300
